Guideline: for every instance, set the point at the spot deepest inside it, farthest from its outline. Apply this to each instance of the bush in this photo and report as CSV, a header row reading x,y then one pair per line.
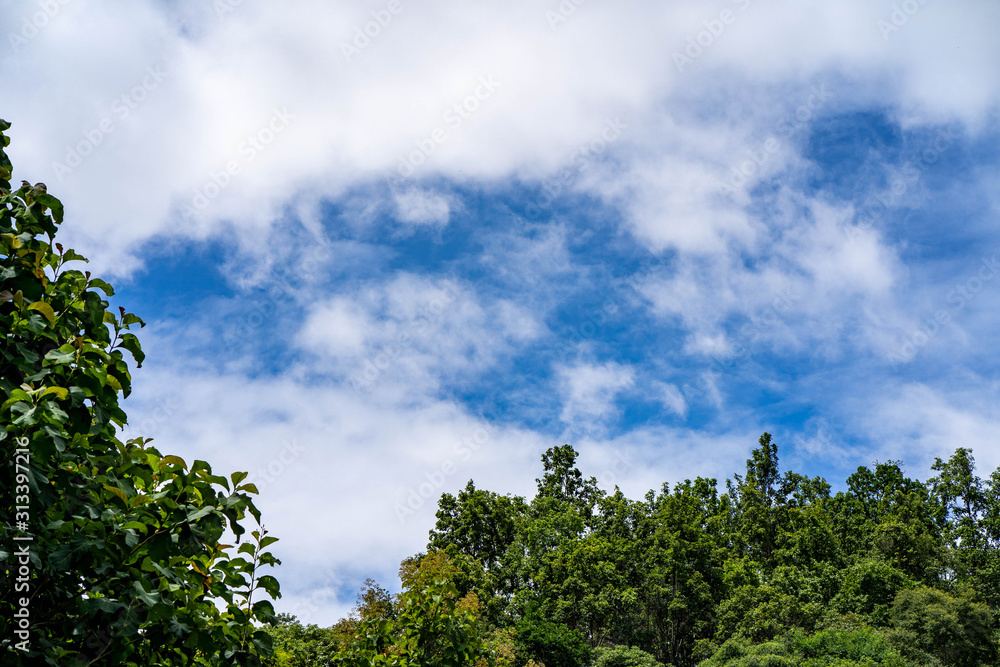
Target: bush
x,y
865,647
623,656
955,630
551,643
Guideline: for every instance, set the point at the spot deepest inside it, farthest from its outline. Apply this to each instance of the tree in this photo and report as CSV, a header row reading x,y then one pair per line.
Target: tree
x,y
755,502
972,509
296,645
957,630
564,482
481,526
430,624
890,516
116,547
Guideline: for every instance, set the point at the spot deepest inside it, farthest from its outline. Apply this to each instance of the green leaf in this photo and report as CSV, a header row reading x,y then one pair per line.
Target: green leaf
x,y
269,584
149,598
59,356
194,516
72,256
103,286
131,343
53,204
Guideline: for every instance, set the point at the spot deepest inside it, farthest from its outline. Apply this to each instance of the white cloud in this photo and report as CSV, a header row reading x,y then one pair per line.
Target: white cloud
x,y
410,333
917,422
422,207
817,279
645,458
352,121
589,391
673,399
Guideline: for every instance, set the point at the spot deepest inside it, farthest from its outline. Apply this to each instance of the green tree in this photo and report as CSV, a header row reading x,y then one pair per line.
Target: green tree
x,y
756,499
431,626
684,570
972,509
890,516
296,645
564,482
955,629
481,526
124,565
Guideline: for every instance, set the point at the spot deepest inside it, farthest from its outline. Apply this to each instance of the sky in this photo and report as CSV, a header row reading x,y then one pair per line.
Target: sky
x,y
384,248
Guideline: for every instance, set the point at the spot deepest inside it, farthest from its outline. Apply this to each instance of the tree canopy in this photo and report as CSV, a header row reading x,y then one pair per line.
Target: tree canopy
x,y
775,570
111,551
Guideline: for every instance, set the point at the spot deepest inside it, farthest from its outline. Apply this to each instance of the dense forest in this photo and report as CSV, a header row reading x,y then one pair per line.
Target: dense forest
x,y
776,570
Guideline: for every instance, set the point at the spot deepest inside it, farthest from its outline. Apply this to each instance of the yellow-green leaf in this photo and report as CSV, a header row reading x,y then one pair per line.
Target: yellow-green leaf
x,y
60,393
45,309
118,492
170,458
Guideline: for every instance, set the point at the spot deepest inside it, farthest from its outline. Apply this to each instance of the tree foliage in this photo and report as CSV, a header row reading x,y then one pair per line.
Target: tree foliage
x,y
429,624
776,571
115,547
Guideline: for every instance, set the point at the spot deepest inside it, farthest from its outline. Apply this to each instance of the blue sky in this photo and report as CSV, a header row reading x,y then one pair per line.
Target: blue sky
x,y
377,265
